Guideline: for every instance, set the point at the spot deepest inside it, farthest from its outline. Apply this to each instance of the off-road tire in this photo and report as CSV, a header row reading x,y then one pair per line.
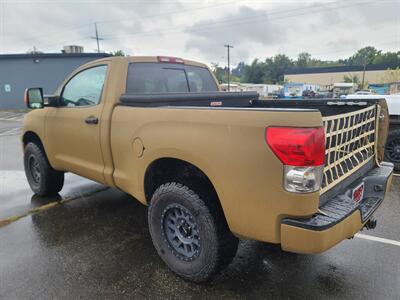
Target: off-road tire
x,y
218,246
42,178
393,141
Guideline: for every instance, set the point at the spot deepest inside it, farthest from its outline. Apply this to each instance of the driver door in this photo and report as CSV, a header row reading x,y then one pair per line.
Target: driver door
x,y
73,128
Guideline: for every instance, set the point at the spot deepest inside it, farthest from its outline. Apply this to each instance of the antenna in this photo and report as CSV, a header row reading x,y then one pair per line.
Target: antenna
x,y
97,38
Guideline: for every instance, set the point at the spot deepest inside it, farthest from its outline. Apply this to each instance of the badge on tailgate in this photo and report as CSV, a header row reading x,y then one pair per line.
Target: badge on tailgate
x,y
358,192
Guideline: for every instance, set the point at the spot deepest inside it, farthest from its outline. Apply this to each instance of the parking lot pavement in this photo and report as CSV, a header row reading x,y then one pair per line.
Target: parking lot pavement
x,y
9,128
12,116
97,245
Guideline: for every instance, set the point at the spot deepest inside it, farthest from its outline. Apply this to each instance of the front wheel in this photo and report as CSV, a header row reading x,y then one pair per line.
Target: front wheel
x,y
187,235
42,178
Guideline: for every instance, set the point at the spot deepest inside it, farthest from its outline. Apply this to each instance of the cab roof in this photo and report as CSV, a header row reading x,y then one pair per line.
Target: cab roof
x,y
156,59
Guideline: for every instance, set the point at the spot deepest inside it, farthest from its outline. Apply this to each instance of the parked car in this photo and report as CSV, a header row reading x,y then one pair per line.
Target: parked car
x,y
211,166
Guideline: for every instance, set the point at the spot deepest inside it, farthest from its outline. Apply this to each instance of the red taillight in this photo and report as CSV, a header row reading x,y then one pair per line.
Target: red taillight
x,y
297,146
172,60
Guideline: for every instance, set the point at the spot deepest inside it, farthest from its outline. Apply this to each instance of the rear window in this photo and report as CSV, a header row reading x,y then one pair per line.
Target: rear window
x,y
147,78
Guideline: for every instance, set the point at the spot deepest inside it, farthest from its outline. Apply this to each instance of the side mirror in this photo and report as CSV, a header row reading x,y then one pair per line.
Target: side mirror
x,y
34,98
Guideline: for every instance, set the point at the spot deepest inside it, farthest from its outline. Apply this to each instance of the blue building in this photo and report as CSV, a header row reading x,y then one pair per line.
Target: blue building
x,y
19,71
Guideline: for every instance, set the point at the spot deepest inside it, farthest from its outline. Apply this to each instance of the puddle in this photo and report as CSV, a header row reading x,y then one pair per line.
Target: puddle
x,y
16,197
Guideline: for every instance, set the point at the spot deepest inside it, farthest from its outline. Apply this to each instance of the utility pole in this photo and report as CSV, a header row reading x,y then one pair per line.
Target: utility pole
x,y
97,38
229,66
363,75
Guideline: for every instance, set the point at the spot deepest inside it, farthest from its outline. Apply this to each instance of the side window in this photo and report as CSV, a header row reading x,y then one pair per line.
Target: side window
x,y
84,88
175,80
195,82
200,80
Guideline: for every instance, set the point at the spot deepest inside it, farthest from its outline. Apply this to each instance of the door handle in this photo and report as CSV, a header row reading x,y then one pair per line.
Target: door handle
x,y
92,120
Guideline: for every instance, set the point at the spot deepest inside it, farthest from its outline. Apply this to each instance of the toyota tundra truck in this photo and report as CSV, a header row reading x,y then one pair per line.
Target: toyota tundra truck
x,y
211,166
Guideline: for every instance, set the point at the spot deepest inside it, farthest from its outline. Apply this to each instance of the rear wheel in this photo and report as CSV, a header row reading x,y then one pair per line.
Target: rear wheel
x,y
187,235
392,148
42,178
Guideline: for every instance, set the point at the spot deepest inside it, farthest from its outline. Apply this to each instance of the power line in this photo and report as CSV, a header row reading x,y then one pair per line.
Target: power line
x,y
244,20
81,27
213,23
253,19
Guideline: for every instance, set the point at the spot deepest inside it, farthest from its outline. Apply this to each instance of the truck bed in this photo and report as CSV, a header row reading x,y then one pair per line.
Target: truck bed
x,y
344,122
327,107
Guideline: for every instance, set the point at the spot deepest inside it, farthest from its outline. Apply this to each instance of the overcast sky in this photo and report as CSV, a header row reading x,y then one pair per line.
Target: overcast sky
x,y
199,29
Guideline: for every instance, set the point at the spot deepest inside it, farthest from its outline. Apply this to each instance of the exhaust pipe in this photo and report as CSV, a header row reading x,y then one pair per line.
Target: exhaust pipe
x,y
371,224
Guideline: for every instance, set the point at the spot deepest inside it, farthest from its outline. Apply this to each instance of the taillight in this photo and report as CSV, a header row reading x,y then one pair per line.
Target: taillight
x,y
297,146
169,59
302,151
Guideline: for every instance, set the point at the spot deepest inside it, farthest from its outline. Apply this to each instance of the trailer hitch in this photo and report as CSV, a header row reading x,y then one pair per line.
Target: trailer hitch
x,y
371,224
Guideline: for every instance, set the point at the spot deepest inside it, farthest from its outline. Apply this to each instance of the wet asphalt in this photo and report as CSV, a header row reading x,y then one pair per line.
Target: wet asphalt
x,y
96,245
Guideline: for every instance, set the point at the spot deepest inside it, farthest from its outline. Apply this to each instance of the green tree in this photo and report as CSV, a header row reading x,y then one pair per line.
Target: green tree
x,y
254,73
239,70
363,56
220,73
352,78
118,53
276,67
303,60
272,69
390,58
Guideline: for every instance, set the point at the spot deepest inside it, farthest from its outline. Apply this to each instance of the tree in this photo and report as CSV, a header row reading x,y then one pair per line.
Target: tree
x,y
276,67
390,58
239,70
364,56
254,73
220,73
303,59
118,53
352,78
272,69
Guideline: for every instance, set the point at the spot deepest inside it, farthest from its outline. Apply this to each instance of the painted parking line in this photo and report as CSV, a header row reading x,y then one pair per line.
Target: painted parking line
x,y
377,239
16,117
11,219
13,131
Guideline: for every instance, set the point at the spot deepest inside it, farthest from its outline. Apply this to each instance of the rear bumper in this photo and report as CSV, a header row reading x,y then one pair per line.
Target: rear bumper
x,y
339,218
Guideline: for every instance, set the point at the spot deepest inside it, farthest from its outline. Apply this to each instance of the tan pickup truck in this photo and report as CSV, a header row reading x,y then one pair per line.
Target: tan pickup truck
x,y
211,166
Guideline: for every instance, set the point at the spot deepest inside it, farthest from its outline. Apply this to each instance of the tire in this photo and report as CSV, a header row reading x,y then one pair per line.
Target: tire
x,y
42,178
196,223
392,148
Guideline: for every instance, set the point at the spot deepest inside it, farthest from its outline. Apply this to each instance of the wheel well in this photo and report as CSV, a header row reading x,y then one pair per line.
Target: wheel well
x,y
31,137
175,170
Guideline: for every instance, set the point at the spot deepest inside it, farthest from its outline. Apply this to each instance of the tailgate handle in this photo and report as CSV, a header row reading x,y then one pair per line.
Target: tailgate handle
x,y
92,120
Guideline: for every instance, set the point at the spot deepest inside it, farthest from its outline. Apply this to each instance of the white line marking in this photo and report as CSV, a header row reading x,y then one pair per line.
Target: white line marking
x,y
377,239
12,117
13,131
